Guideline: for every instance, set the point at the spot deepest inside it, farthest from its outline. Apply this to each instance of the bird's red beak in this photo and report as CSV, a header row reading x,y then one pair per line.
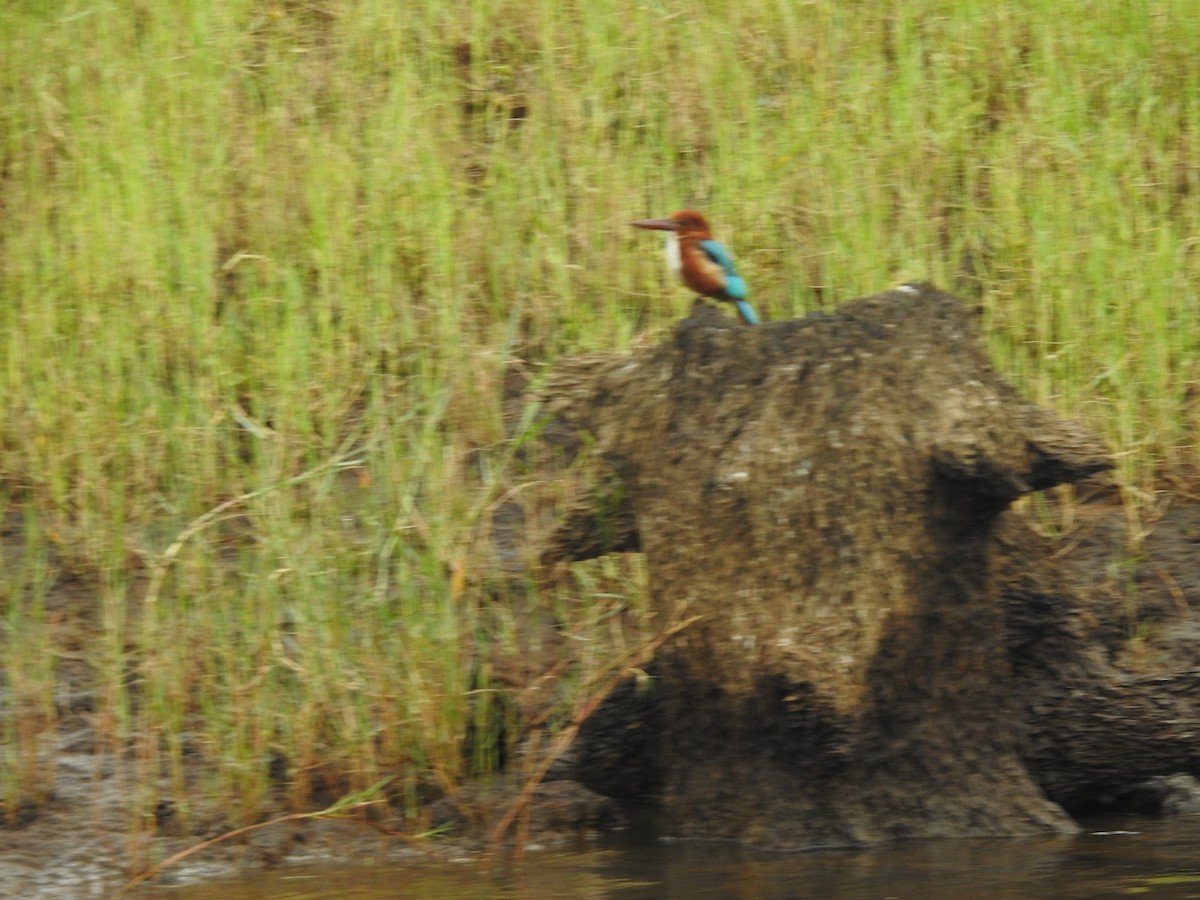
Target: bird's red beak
x,y
656,224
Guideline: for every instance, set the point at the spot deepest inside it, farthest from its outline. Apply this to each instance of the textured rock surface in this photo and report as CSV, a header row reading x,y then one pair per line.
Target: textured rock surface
x,y
825,493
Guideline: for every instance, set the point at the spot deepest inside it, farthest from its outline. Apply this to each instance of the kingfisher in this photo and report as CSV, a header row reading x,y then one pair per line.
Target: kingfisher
x,y
703,263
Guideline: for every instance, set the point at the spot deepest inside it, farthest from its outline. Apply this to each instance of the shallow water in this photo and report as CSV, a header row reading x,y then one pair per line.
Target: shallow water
x,y
1113,858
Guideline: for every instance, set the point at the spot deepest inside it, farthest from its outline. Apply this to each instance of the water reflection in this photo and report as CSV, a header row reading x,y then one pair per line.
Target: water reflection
x,y
1129,858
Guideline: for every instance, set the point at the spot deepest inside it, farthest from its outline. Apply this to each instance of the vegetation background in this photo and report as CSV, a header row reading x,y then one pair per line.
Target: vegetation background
x,y
267,267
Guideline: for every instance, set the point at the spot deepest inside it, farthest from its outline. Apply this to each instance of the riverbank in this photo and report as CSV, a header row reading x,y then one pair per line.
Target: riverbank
x,y
1142,588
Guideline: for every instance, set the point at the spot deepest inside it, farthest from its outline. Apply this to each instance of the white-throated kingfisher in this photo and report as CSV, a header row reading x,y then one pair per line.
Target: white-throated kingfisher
x,y
703,263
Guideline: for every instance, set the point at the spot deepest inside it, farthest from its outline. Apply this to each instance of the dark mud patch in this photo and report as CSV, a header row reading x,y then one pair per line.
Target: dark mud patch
x,y
83,843
1141,581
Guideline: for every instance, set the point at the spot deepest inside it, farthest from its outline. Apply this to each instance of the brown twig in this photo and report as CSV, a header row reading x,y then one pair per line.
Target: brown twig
x,y
566,737
346,804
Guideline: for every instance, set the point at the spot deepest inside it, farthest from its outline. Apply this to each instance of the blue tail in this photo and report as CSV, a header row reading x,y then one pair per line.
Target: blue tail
x,y
747,312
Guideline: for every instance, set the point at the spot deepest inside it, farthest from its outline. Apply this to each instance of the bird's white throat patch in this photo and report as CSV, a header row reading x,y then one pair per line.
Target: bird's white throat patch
x,y
672,253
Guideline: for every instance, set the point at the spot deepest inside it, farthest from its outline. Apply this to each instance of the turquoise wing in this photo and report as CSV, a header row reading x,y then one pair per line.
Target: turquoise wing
x,y
735,287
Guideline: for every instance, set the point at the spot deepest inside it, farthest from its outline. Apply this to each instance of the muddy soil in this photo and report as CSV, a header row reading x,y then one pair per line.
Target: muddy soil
x,y
1142,581
1140,578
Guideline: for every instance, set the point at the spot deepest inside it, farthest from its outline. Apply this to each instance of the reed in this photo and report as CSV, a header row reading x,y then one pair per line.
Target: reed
x,y
265,265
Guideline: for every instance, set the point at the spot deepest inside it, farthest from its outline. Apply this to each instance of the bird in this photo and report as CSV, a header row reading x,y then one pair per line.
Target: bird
x,y
703,263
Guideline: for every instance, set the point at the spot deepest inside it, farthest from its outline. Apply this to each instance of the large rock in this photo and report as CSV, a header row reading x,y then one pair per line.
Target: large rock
x,y
824,493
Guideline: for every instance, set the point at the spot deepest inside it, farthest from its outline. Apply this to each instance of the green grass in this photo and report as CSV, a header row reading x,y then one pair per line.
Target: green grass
x,y
264,265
